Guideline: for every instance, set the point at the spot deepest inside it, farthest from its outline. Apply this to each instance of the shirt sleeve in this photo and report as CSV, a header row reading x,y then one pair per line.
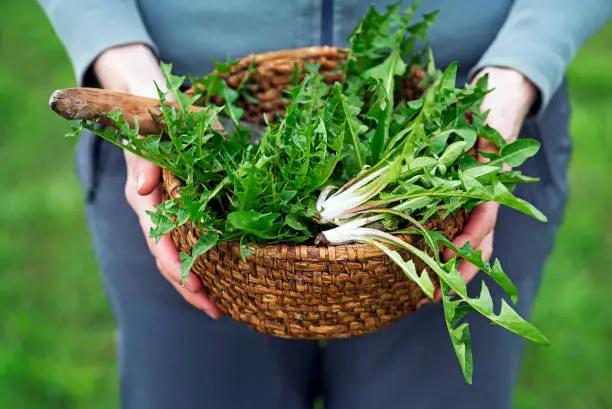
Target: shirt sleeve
x,y
87,28
540,38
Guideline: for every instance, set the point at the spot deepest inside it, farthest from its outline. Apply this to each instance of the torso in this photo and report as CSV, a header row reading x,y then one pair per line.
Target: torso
x,y
235,28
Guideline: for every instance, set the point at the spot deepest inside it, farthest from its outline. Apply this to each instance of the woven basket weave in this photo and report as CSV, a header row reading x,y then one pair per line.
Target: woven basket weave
x,y
305,291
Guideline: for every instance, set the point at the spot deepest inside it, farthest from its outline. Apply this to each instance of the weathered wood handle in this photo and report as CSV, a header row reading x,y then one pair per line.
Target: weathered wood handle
x,y
94,103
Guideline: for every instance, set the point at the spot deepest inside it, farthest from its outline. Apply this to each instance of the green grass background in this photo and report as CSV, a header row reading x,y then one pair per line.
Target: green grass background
x,y
56,332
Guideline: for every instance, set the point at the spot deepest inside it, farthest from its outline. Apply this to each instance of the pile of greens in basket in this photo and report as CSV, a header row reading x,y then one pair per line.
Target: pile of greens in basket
x,y
351,161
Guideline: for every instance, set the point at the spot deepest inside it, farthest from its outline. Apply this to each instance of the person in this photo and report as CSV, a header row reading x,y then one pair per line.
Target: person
x,y
170,354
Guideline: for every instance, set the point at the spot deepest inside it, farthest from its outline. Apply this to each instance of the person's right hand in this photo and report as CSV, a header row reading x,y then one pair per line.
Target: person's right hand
x,y
134,69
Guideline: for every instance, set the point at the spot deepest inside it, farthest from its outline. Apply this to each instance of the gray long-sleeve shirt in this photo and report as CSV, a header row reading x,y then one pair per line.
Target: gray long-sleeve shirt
x,y
537,37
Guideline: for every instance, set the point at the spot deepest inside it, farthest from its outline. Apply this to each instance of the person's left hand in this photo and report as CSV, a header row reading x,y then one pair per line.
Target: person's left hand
x,y
134,69
508,104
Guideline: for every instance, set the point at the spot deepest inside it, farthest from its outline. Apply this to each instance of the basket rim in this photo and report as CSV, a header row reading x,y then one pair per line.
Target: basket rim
x,y
299,52
279,55
288,251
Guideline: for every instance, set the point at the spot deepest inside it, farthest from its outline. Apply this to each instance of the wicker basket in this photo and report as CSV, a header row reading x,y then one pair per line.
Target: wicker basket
x,y
304,291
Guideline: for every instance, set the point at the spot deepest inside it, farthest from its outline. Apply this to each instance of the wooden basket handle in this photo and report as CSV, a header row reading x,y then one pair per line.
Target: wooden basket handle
x,y
94,103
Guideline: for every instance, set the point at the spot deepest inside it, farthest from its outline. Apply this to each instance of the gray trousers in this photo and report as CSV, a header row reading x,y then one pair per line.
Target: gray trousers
x,y
172,356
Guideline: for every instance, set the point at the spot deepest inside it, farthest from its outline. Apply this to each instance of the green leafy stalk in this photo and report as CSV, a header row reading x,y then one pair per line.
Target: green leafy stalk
x,y
454,312
475,257
354,128
496,193
408,268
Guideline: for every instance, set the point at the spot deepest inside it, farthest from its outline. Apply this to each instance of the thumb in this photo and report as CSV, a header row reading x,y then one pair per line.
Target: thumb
x,y
142,174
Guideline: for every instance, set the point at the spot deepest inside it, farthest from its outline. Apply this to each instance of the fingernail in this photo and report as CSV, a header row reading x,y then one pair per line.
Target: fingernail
x,y
140,182
212,314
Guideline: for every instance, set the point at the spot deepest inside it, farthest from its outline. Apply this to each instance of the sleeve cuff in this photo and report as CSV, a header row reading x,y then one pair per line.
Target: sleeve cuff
x,y
87,31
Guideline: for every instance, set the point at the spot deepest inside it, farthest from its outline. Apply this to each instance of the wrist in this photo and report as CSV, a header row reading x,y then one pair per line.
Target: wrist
x,y
518,90
130,68
510,101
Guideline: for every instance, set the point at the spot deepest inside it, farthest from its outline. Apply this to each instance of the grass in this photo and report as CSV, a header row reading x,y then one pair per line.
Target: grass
x,y
56,332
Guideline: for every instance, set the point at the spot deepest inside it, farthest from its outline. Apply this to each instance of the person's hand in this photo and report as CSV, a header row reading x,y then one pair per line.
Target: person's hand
x,y
134,69
508,105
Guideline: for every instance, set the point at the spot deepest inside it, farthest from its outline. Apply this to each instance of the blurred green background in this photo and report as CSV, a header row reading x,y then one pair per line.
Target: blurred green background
x,y
56,332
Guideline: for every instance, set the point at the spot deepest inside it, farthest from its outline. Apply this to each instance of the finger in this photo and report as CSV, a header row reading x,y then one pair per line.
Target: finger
x,y
200,301
482,221
144,175
164,251
192,292
169,264
468,270
484,145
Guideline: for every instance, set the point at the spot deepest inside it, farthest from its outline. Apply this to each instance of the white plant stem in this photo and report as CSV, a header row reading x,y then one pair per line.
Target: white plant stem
x,y
332,209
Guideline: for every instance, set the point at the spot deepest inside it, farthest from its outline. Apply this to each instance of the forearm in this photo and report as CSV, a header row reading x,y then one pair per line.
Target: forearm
x,y
541,37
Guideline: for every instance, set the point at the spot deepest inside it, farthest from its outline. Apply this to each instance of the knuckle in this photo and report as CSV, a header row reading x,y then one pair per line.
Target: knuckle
x,y
128,192
466,238
130,158
487,249
182,291
492,220
163,267
159,265
166,272
150,241
486,253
